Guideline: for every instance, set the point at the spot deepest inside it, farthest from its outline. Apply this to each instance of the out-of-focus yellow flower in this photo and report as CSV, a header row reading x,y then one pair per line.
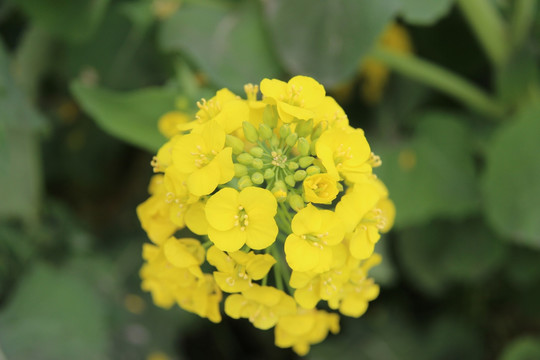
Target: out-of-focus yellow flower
x,y
245,217
305,328
262,305
169,123
238,269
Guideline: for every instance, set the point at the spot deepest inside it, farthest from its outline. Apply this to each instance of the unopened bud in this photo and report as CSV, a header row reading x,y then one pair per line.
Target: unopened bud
x,y
304,127
284,131
303,146
257,164
245,158
250,132
291,139
312,170
240,170
265,131
274,140
289,180
244,182
256,151
270,116
305,161
292,165
235,143
300,175
269,173
296,202
317,131
257,178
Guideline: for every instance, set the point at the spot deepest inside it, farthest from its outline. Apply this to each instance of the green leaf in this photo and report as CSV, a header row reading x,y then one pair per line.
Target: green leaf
x,y
424,12
326,39
432,175
53,315
512,179
524,348
441,254
130,116
517,80
72,20
227,43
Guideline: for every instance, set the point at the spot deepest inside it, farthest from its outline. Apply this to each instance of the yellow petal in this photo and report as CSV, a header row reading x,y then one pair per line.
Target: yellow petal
x,y
225,164
195,219
220,260
204,180
300,254
221,209
307,221
259,266
261,234
229,240
177,253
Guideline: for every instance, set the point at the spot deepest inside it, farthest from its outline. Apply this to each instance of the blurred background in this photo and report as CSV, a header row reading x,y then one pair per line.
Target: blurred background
x,y
446,91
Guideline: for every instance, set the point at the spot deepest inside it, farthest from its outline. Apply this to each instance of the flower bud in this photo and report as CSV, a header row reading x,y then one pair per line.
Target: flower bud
x,y
250,132
300,175
292,165
269,173
296,202
274,140
291,139
303,146
313,148
240,170
244,182
284,131
257,164
270,116
317,131
245,158
289,180
305,161
312,170
265,131
256,151
235,143
257,178
304,127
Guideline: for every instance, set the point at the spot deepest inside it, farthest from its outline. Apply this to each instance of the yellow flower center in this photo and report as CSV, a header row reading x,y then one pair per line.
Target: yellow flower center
x,y
317,240
200,159
293,96
241,218
341,154
251,91
209,110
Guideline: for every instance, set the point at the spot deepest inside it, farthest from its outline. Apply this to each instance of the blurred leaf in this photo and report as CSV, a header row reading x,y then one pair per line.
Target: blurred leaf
x,y
326,39
72,20
432,175
130,116
228,43
440,254
424,12
524,348
517,78
20,127
512,179
53,315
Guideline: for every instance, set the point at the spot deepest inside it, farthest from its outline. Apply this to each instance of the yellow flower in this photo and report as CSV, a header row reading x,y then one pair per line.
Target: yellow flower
x,y
356,203
154,213
295,99
168,123
203,158
345,153
177,195
185,253
202,299
262,305
320,189
315,233
238,218
306,327
236,270
330,114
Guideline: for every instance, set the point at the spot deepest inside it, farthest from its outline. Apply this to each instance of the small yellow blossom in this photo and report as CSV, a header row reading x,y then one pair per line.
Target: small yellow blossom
x,y
238,218
262,305
202,299
315,233
305,328
238,269
320,189
169,123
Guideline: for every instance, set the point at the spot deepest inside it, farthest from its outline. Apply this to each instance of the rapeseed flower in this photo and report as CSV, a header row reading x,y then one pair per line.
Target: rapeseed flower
x,y
279,194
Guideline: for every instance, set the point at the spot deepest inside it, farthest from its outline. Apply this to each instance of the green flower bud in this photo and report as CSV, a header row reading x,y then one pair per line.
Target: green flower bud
x,y
313,148
292,165
317,131
270,116
250,132
257,164
296,202
312,170
280,191
274,140
235,143
257,178
256,151
240,170
265,131
245,158
300,175
305,161
289,180
269,173
244,182
303,146
304,128
284,131
291,139
280,185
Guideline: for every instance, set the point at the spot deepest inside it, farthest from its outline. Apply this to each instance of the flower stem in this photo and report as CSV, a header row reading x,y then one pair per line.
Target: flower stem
x,y
489,28
522,19
441,79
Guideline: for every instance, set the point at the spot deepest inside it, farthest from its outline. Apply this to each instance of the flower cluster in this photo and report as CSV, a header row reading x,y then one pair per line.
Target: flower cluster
x,y
280,194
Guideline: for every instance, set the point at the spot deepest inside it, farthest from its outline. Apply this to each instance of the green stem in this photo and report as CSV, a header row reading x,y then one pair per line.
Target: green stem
x,y
489,28
440,79
522,20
